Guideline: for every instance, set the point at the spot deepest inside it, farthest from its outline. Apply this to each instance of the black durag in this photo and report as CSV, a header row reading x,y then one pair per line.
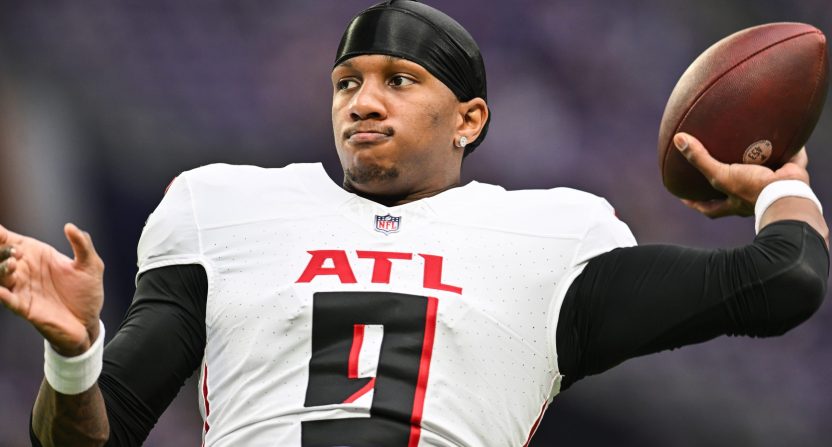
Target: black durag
x,y
424,35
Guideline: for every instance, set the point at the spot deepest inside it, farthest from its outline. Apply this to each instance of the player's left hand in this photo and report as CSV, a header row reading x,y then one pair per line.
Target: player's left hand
x,y
741,183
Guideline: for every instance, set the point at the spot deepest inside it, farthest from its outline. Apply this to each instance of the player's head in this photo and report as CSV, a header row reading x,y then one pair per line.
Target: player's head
x,y
414,78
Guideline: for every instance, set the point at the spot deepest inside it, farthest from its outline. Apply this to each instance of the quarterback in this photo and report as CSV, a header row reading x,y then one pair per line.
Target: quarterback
x,y
399,309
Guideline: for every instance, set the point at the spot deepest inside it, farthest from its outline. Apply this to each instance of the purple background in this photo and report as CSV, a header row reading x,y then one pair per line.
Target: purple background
x,y
103,102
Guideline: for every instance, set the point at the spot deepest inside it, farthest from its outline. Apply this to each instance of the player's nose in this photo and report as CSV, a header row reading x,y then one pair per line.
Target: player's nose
x,y
368,102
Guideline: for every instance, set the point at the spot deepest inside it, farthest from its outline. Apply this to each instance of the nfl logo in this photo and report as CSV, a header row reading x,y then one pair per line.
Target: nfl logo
x,y
388,224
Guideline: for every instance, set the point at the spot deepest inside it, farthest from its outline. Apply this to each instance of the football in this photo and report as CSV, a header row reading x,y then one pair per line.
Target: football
x,y
753,97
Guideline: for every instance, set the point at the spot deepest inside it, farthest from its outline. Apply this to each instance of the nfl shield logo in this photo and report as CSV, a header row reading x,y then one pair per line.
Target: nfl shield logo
x,y
388,224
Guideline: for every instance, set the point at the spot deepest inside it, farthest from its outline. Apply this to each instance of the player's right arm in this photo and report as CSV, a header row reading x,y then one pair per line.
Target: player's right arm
x,y
158,346
143,370
62,299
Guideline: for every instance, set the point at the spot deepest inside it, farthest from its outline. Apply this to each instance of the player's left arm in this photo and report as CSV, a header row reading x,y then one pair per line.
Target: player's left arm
x,y
640,300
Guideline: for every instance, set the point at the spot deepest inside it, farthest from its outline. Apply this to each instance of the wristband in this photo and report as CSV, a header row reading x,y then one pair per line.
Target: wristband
x,y
777,190
74,375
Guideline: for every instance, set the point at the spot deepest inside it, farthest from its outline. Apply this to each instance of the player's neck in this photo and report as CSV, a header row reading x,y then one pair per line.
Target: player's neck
x,y
398,199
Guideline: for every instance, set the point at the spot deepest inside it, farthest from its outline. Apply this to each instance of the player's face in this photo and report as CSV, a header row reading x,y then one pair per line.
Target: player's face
x,y
394,126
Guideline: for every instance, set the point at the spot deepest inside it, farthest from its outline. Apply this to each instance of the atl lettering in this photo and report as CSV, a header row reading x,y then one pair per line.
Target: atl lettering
x,y
382,267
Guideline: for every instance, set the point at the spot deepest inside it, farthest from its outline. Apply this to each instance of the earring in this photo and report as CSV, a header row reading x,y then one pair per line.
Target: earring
x,y
463,141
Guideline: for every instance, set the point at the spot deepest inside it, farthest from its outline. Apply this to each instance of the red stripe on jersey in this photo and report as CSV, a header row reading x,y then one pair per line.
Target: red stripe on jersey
x,y
364,390
169,185
536,424
424,371
205,399
355,350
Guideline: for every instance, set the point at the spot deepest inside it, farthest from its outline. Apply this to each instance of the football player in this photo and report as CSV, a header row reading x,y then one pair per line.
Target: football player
x,y
400,308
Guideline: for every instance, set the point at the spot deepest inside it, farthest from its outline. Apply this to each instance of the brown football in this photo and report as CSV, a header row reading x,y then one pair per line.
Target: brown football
x,y
753,97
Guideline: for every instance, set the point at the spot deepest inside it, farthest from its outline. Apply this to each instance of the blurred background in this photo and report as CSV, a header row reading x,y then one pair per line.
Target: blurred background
x,y
103,102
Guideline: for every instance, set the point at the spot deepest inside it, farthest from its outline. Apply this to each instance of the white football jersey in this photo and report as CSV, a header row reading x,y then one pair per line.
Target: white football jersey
x,y
334,320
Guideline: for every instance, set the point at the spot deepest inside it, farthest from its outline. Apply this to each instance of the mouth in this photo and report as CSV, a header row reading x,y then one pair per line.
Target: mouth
x,y
368,135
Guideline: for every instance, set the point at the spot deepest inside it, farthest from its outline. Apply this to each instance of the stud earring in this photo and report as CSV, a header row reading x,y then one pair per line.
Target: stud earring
x,y
463,141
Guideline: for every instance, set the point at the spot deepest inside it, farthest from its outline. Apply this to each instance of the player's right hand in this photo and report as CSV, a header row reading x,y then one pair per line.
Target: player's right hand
x,y
61,297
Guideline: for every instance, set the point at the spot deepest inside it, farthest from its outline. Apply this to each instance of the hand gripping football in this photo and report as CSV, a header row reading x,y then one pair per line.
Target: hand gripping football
x,y
753,97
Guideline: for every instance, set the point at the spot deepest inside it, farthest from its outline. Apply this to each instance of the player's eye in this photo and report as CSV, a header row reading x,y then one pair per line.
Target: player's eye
x,y
345,84
400,81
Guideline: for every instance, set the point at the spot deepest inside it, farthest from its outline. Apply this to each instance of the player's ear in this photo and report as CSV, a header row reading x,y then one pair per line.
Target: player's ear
x,y
474,115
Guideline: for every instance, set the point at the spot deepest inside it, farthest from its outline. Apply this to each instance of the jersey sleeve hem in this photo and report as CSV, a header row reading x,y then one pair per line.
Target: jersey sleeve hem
x,y
605,233
158,263
185,260
172,234
554,312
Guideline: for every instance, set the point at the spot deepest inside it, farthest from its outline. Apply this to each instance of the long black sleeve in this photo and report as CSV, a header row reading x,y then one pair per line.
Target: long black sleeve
x,y
159,345
640,300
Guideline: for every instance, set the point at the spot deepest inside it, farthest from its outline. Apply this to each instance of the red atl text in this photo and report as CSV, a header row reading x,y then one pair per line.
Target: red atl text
x,y
382,267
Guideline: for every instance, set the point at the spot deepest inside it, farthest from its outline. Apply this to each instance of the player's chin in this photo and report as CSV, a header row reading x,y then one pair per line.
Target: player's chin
x,y
371,177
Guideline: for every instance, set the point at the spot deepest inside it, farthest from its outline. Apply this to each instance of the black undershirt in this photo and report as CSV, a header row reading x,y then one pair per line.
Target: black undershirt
x,y
626,303
640,300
